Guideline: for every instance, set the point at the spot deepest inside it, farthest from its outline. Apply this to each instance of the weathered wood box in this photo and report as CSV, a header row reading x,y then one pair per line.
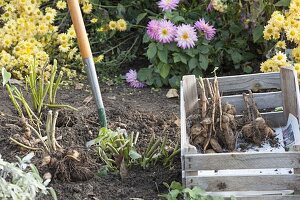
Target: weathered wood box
x,y
243,174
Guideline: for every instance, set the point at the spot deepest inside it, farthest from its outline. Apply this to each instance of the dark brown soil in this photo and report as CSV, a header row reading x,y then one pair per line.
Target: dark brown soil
x,y
145,111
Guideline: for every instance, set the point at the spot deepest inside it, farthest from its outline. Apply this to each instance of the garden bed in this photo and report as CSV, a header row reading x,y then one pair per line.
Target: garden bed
x,y
127,108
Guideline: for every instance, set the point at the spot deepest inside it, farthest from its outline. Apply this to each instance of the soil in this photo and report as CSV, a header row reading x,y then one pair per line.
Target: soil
x,y
145,111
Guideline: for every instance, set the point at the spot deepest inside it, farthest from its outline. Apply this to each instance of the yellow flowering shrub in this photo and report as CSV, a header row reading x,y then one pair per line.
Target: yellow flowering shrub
x,y
30,36
284,27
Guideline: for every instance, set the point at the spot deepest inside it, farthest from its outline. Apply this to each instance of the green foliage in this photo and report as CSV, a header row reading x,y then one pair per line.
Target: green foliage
x,y
117,149
38,88
118,47
178,192
18,182
237,44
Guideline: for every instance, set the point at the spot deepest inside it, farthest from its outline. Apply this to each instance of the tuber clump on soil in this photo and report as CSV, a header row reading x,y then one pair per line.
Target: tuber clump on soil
x,y
217,127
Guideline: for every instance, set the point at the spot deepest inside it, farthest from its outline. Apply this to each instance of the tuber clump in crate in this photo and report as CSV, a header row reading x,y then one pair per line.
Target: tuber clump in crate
x,y
217,127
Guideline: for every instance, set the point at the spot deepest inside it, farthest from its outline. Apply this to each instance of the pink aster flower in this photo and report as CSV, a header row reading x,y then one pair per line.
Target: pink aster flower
x,y
152,29
186,36
166,31
131,78
168,5
204,27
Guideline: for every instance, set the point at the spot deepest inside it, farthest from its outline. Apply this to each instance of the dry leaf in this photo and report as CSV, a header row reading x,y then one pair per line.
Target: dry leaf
x,y
79,86
172,93
87,99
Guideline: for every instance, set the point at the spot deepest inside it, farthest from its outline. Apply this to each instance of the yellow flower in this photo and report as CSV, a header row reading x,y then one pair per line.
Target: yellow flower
x,y
296,54
63,38
112,25
64,48
94,20
281,44
121,25
71,32
72,53
297,68
99,59
280,58
61,5
268,32
87,8
291,34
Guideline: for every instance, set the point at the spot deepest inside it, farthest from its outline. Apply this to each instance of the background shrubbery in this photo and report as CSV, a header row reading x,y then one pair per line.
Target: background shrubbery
x,y
238,46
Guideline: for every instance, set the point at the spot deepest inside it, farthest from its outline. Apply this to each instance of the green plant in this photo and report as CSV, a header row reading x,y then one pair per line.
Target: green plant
x,y
17,182
116,148
178,192
39,90
118,151
157,150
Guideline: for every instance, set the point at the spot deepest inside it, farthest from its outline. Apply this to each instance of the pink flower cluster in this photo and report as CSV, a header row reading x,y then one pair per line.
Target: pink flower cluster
x,y
168,5
164,31
131,79
204,27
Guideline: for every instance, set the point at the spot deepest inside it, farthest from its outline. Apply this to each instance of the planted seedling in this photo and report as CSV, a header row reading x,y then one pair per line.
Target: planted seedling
x,y
178,192
39,89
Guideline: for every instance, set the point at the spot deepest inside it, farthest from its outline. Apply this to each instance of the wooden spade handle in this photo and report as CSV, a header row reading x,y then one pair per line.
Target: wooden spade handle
x,y
80,30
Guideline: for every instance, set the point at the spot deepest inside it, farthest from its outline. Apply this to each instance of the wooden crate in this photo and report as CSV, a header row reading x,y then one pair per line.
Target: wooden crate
x,y
252,186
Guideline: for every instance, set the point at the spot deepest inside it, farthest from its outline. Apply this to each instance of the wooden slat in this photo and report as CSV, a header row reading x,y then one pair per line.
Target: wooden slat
x,y
269,197
251,160
249,82
263,101
243,183
274,119
190,94
290,92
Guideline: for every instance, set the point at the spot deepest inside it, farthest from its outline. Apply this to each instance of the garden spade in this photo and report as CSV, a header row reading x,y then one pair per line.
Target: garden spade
x,y
87,56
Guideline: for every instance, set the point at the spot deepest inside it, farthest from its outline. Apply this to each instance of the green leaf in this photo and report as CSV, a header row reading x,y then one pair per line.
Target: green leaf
x,y
53,193
140,17
283,3
235,29
257,33
176,57
175,81
203,49
174,193
163,55
203,61
236,57
176,186
146,38
6,76
177,19
134,155
145,73
164,69
248,69
152,50
121,9
193,62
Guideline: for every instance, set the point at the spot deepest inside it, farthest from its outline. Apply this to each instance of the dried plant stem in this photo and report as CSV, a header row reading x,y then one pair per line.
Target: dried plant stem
x,y
212,125
218,99
246,101
23,145
39,136
203,102
255,110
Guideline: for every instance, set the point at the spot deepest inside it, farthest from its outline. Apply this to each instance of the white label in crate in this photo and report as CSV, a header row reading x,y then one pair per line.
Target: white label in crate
x,y
290,132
